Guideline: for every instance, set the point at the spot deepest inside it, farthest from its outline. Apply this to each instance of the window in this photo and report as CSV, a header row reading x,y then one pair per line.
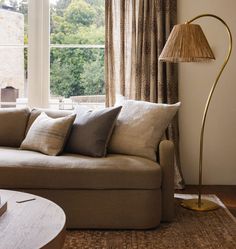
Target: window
x,y
13,52
60,52
77,51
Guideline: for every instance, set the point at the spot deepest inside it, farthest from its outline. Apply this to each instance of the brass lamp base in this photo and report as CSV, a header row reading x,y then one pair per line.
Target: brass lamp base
x,y
206,205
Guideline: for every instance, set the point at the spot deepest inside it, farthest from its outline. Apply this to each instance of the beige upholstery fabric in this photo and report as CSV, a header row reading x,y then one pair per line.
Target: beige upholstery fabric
x,y
29,169
140,127
138,201
48,135
166,154
107,209
13,123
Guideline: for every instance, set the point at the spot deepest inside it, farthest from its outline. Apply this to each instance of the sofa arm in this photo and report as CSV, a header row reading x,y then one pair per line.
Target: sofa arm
x,y
166,157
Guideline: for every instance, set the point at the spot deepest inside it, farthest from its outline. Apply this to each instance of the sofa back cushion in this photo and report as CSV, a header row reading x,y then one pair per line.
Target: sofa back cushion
x,y
13,122
50,113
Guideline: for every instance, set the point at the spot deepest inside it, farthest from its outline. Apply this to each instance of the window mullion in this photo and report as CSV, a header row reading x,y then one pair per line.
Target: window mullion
x,y
38,53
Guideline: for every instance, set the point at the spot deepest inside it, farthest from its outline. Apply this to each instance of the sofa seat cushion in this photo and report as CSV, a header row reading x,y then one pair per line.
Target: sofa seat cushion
x,y
29,169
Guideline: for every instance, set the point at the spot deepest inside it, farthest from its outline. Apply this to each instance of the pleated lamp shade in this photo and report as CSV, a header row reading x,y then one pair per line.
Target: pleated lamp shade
x,y
186,43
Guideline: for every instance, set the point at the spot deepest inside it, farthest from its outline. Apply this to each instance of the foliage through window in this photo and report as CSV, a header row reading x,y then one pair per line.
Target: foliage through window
x,y
77,36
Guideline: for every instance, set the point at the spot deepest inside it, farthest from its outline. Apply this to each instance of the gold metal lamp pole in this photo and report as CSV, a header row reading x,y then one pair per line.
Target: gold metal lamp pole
x,y
187,43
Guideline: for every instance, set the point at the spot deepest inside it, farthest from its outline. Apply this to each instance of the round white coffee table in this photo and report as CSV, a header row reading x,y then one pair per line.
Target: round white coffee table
x,y
34,224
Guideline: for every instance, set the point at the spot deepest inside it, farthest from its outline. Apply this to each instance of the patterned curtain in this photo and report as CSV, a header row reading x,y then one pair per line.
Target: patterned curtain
x,y
136,31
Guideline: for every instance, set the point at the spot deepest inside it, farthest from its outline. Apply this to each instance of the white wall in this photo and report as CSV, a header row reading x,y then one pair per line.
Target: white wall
x,y
196,79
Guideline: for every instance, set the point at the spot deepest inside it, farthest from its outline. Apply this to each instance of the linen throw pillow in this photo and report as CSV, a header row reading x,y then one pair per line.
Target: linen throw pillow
x,y
13,122
140,127
48,135
91,131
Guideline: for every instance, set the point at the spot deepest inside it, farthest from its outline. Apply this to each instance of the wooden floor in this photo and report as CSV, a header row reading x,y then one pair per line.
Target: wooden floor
x,y
227,194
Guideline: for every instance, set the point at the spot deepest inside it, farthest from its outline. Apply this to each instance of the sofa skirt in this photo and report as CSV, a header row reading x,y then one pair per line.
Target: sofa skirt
x,y
106,209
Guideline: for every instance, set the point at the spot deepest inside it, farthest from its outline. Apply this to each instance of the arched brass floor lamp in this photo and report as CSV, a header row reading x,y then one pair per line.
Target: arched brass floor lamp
x,y
187,43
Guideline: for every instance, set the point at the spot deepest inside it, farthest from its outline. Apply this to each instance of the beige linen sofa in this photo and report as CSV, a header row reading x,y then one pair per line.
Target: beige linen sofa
x,y
113,192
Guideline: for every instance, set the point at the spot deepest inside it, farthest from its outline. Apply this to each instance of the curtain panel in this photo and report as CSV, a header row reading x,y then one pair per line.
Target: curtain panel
x,y
136,31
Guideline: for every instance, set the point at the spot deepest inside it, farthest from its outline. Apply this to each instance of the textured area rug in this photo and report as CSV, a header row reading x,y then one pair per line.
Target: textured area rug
x,y
197,230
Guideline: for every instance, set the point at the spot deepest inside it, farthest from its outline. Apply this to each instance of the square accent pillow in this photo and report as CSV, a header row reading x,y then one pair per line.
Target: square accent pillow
x,y
91,131
48,135
140,127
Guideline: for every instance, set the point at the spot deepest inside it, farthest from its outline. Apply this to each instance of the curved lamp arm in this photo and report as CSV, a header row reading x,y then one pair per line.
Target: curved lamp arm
x,y
210,96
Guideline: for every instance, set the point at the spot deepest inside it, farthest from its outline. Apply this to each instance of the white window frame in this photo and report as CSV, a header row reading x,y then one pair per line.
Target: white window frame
x,y
38,53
